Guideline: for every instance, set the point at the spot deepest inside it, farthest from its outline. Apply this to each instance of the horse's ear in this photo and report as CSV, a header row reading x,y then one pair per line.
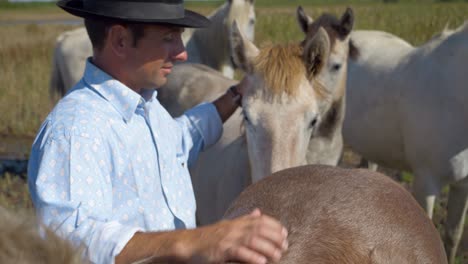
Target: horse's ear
x,y
346,22
316,50
243,51
303,19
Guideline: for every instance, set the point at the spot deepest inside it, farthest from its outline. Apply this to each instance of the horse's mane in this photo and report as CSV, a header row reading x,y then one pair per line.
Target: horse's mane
x,y
463,27
442,37
22,241
283,69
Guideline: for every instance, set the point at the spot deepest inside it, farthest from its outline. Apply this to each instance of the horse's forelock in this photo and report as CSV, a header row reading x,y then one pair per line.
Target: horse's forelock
x,y
282,69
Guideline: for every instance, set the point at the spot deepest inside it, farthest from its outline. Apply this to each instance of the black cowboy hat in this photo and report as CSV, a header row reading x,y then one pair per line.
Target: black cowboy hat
x,y
171,12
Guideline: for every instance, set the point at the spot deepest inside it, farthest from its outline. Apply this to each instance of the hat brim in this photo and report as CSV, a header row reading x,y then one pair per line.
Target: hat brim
x,y
191,19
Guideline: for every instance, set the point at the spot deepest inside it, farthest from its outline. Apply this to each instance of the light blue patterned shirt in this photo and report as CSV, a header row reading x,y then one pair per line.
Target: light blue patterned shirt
x,y
108,162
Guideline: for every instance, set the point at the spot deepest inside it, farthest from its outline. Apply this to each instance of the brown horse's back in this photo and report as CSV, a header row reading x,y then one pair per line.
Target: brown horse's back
x,y
338,215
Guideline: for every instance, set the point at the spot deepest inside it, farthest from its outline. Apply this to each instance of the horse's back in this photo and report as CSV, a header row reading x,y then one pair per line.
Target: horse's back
x,y
70,53
190,84
344,216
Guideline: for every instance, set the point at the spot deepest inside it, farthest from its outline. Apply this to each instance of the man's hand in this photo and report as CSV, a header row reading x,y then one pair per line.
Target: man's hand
x,y
253,238
227,104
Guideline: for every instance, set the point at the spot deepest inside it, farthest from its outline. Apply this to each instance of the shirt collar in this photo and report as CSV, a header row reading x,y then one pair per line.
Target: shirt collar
x,y
122,98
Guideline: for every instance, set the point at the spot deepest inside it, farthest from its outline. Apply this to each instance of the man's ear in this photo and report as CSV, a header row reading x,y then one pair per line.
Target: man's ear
x,y
119,39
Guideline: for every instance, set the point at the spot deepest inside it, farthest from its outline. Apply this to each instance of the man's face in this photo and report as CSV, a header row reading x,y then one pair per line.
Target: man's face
x,y
153,57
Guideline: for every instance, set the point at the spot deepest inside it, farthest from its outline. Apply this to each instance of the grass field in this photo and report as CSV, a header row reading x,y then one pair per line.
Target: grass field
x,y
26,51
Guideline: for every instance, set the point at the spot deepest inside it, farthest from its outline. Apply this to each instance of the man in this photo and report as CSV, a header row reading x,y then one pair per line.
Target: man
x,y
108,168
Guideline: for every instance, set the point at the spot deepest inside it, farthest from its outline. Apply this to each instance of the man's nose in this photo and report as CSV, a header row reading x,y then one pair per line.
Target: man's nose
x,y
180,54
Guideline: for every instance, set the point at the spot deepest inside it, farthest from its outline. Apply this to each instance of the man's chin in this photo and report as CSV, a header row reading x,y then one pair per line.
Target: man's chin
x,y
161,82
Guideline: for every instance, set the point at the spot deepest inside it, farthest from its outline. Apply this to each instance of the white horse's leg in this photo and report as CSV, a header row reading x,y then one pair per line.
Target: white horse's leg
x,y
368,164
425,191
456,212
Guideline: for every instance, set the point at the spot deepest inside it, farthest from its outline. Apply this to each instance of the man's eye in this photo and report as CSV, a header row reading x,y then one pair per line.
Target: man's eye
x,y
168,37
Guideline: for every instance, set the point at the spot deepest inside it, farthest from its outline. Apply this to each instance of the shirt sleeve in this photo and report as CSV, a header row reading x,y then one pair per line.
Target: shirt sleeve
x,y
70,184
203,125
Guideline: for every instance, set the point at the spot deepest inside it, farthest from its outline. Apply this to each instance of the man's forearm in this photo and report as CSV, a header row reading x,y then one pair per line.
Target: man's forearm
x,y
155,247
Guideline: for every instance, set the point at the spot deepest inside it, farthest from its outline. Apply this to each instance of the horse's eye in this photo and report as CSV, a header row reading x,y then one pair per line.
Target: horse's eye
x,y
252,21
336,67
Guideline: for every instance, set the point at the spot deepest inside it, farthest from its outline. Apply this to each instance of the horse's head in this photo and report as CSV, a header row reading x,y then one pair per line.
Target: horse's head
x,y
333,77
327,145
281,102
243,12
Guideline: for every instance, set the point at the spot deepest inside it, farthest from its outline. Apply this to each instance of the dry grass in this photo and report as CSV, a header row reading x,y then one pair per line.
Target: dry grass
x,y
14,193
25,69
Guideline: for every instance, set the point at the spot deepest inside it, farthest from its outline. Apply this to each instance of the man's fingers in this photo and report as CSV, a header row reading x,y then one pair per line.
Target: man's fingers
x,y
266,248
272,230
256,212
278,239
244,254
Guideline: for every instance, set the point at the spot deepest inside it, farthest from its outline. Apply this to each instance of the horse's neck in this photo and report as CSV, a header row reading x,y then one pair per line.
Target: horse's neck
x,y
212,42
333,118
327,145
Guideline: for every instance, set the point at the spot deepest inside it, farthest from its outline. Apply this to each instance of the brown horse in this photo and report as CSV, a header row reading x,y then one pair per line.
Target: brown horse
x,y
344,216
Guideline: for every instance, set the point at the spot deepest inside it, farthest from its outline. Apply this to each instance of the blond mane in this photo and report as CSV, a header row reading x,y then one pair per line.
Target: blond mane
x,y
283,69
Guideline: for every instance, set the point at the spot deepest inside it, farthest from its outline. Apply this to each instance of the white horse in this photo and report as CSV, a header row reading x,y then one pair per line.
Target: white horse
x,y
209,46
406,109
278,96
68,62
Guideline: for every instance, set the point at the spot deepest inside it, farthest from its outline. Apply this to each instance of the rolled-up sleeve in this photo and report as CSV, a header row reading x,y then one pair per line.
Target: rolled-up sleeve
x,y
71,189
203,125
